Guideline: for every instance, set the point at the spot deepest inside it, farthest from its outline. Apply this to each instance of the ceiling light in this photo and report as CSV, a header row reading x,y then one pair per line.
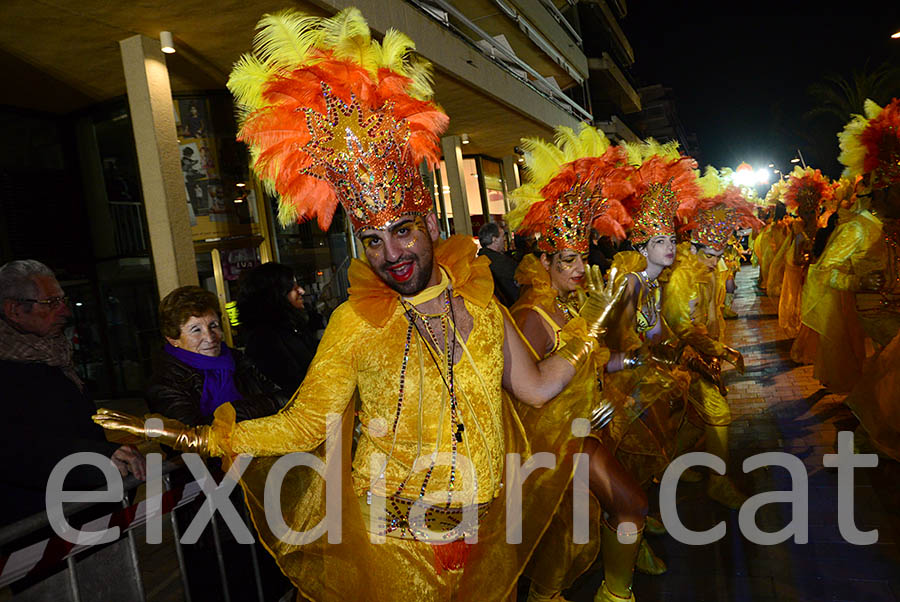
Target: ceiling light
x,y
464,138
795,160
238,200
240,184
771,165
896,36
166,43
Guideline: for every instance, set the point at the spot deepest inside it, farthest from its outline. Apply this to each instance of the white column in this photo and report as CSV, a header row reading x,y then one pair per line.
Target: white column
x,y
452,149
510,176
162,183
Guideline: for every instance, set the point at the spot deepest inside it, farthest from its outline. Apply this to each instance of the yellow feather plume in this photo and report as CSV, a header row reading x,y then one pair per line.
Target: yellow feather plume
x,y
543,160
284,40
711,182
853,153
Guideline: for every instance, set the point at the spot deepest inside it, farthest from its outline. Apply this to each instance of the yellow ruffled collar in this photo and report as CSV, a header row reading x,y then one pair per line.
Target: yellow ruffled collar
x,y
470,278
537,291
686,259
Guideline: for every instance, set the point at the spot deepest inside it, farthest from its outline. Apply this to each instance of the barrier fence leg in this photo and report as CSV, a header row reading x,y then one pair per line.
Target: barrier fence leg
x,y
254,557
220,558
179,553
73,579
135,563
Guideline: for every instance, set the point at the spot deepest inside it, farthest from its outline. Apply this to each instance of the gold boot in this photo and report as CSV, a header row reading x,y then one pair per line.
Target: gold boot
x,y
604,595
618,564
729,313
537,594
721,489
648,562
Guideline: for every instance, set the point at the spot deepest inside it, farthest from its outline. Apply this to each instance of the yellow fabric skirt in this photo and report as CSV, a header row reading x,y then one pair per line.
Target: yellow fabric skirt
x,y
358,568
650,403
790,302
558,560
874,399
805,346
775,275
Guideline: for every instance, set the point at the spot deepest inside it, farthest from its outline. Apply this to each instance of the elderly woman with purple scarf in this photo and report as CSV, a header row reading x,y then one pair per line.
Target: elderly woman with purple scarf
x,y
197,372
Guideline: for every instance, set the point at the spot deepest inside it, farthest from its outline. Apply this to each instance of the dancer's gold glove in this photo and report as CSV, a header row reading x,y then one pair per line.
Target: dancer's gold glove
x,y
596,310
167,431
734,357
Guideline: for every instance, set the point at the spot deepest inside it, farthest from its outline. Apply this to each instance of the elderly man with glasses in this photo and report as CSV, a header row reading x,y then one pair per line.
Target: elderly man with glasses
x,y
46,413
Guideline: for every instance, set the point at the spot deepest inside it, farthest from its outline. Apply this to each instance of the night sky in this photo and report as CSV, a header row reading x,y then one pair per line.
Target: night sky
x,y
741,74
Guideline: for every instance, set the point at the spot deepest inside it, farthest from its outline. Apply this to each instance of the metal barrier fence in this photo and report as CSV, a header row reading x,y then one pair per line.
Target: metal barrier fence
x,y
31,560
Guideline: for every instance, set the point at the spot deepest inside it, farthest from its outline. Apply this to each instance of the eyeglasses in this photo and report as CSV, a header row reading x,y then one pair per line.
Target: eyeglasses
x,y
51,303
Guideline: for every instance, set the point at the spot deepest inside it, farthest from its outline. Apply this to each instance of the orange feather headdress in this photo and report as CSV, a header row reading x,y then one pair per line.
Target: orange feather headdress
x,y
578,183
720,216
665,187
332,116
806,190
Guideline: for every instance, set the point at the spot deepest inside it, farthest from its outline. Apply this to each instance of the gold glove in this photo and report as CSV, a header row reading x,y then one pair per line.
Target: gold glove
x,y
709,368
167,431
734,357
595,311
601,300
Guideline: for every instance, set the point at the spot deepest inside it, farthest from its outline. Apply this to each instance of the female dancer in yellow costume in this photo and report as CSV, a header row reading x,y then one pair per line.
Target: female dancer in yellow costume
x,y
648,391
573,184
765,245
805,192
858,280
691,311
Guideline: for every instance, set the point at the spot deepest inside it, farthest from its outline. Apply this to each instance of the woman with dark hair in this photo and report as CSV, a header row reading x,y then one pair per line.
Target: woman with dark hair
x,y
278,339
197,372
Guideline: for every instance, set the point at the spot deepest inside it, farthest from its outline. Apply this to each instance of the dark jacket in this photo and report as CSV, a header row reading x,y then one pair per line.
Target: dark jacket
x,y
46,417
282,353
175,390
503,269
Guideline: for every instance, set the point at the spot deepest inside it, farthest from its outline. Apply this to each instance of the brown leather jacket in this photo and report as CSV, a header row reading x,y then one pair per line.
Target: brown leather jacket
x,y
175,390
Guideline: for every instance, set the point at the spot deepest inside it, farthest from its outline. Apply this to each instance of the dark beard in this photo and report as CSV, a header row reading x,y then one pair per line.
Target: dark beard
x,y
424,265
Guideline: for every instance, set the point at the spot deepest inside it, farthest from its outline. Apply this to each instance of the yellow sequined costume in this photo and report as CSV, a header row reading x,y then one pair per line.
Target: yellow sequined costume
x,y
650,398
361,357
558,561
690,309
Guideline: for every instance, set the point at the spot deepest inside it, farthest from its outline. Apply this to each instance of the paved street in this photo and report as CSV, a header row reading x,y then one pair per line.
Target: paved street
x,y
779,407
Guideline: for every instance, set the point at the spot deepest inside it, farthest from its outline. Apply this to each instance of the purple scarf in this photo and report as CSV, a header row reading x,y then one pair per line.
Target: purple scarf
x,y
218,376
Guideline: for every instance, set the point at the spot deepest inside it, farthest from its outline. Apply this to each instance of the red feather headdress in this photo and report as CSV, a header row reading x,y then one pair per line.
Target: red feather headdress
x,y
574,185
718,217
665,187
870,144
333,116
806,190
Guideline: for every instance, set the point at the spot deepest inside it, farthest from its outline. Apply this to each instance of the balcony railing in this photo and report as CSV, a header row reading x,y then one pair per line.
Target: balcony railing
x,y
441,10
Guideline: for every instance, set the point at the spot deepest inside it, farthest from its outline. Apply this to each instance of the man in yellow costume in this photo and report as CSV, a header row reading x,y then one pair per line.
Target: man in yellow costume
x,y
422,346
853,290
691,308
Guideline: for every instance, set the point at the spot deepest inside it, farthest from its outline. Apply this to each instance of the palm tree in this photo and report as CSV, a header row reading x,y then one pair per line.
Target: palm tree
x,y
838,97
